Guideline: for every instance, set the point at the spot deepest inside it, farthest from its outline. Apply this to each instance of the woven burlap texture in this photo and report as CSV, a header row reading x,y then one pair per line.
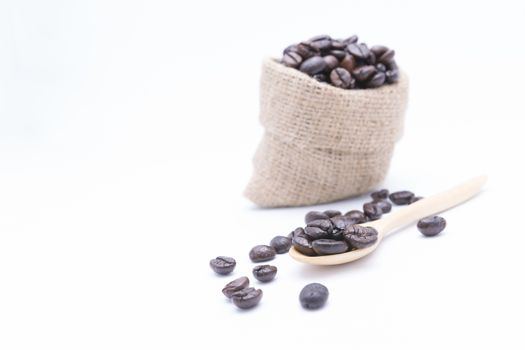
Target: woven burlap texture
x,y
322,143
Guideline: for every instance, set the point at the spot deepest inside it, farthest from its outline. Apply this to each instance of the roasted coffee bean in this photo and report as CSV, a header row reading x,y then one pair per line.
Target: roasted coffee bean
x,y
321,42
338,44
340,77
431,226
261,253
340,222
360,51
292,59
247,298
222,265
323,224
378,50
264,273
385,206
349,63
320,77
331,62
313,296
298,232
332,213
377,80
313,65
303,245
358,216
329,246
387,57
314,233
379,195
351,40
392,76
415,199
381,67
371,58
281,244
235,285
360,237
314,215
363,73
306,50
401,197
339,54
372,211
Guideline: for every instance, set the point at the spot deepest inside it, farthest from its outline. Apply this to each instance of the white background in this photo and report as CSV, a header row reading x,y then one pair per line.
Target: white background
x,y
126,135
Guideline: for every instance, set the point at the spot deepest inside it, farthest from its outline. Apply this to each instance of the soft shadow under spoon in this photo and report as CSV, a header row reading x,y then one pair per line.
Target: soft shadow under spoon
x,y
413,212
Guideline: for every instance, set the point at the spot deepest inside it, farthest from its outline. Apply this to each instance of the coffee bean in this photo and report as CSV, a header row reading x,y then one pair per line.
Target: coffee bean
x,y
323,224
329,246
385,206
331,213
349,63
281,244
313,65
387,57
377,80
340,222
306,50
431,226
292,59
360,51
401,197
331,62
247,298
222,265
371,58
290,48
340,77
298,232
264,273
313,296
363,73
358,216
338,44
378,50
415,199
321,42
379,195
351,40
381,67
320,77
313,233
314,215
360,237
235,285
262,253
392,76
372,211
339,54
303,245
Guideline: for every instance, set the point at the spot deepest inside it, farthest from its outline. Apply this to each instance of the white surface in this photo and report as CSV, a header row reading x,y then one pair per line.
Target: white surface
x,y
126,135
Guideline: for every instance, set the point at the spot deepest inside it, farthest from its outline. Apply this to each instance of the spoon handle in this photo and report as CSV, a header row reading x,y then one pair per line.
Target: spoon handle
x,y
432,205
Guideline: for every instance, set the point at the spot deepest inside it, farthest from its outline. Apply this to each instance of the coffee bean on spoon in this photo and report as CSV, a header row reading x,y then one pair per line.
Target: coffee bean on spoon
x,y
385,206
360,237
401,197
281,244
264,273
431,226
372,211
358,216
314,233
303,245
340,77
331,213
235,285
314,215
341,222
297,232
329,246
371,59
247,298
262,253
363,73
223,265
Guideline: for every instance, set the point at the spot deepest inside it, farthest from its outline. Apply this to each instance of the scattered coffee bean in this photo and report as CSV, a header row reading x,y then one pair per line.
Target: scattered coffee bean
x,y
222,265
385,206
313,296
264,273
360,237
262,253
340,77
313,65
329,246
358,216
431,226
372,211
303,245
332,213
235,285
247,298
401,197
281,244
379,195
314,215
415,199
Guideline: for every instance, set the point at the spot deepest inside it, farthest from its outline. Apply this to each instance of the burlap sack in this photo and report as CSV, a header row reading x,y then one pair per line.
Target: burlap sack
x,y
322,143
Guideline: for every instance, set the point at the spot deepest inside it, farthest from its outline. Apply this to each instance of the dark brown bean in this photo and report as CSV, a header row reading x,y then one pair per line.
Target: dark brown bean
x,y
378,50
392,76
306,50
360,51
401,197
360,237
329,246
358,216
339,54
387,57
331,62
331,213
313,65
379,195
264,273
372,211
321,42
235,285
313,296
223,265
292,59
432,225
340,222
314,233
349,63
381,67
314,215
303,245
247,298
340,77
385,206
377,80
261,253
281,244
323,224
351,40
363,73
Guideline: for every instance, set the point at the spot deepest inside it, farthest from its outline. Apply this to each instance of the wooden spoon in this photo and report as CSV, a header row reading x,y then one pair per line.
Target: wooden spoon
x,y
413,212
